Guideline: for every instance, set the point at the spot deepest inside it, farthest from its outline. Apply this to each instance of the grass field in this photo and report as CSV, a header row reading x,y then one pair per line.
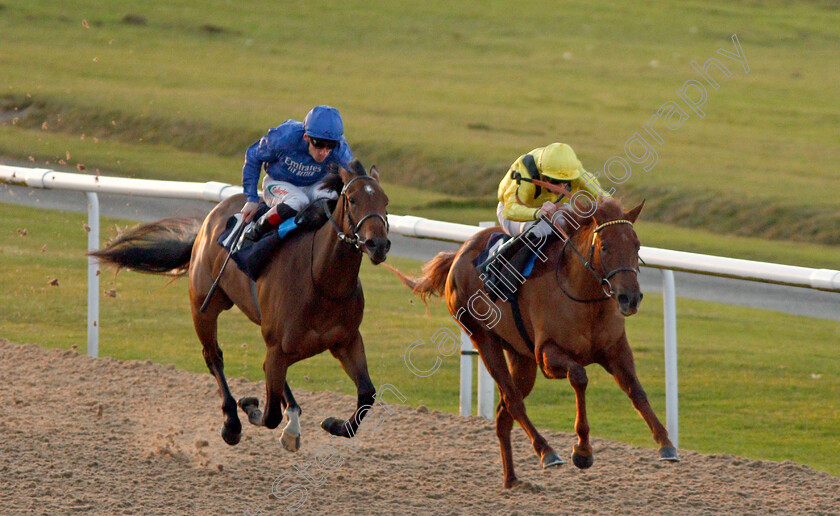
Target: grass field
x,y
752,383
446,95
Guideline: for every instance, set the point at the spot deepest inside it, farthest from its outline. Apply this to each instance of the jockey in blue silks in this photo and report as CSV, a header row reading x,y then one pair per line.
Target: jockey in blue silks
x,y
297,157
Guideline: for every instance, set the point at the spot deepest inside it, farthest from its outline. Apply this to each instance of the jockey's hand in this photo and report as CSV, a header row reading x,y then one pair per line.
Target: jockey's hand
x,y
249,210
548,209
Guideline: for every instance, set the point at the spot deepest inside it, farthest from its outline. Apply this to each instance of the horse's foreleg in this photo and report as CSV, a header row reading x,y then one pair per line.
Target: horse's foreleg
x,y
205,327
557,364
354,362
621,365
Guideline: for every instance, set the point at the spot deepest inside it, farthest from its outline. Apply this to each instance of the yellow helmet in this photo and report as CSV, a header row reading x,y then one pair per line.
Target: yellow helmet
x,y
558,161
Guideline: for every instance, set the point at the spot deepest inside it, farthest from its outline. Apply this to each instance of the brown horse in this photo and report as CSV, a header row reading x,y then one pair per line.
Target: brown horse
x,y
307,300
572,311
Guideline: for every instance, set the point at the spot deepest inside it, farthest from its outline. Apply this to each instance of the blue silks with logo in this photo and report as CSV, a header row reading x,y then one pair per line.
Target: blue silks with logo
x,y
286,157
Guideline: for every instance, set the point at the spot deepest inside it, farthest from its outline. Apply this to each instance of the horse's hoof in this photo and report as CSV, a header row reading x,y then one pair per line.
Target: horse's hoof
x,y
582,461
247,403
511,483
249,406
290,442
669,454
232,435
551,459
334,426
582,456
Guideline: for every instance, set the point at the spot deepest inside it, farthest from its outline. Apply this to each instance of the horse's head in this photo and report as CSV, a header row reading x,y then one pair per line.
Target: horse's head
x,y
365,216
615,253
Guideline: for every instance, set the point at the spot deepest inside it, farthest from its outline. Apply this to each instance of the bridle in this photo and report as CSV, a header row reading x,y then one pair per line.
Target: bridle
x,y
352,237
603,281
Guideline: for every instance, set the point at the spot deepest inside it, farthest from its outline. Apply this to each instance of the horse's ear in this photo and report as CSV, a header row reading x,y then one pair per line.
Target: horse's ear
x,y
374,172
633,214
345,175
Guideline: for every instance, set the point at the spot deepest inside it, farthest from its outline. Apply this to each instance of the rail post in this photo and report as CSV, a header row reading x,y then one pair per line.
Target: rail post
x,y
93,276
467,353
669,300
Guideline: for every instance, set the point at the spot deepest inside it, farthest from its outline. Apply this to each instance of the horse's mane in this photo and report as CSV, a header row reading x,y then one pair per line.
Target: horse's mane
x,y
606,209
333,181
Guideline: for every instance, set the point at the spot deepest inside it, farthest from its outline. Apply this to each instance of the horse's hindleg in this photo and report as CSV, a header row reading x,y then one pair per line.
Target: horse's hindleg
x,y
290,439
206,325
354,362
523,370
558,364
504,424
275,367
490,349
286,404
621,365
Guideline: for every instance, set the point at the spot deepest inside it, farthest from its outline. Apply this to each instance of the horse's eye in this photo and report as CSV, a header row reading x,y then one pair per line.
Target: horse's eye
x,y
352,200
603,247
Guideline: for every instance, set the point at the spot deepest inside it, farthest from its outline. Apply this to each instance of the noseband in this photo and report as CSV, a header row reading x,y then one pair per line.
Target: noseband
x,y
603,281
352,237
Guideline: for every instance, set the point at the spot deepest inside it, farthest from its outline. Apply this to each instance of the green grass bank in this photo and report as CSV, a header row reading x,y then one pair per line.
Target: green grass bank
x,y
444,96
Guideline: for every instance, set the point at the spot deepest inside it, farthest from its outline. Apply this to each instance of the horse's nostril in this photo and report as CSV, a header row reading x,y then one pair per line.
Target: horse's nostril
x,y
641,296
623,299
388,245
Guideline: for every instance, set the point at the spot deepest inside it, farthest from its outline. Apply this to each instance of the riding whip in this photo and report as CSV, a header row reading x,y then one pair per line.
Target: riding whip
x,y
215,284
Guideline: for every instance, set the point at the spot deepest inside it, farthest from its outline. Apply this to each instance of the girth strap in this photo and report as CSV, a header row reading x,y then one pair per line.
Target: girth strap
x,y
256,301
517,319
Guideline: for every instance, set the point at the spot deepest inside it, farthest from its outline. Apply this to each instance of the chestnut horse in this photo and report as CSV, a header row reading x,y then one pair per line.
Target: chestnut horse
x,y
308,299
572,310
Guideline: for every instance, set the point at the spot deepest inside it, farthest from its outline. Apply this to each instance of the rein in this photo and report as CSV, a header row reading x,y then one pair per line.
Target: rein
x,y
602,280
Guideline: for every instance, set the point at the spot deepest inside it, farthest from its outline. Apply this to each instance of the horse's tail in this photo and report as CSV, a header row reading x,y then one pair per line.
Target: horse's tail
x,y
158,247
433,279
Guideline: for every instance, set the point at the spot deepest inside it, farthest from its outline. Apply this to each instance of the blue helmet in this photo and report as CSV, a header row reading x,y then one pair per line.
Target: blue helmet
x,y
323,122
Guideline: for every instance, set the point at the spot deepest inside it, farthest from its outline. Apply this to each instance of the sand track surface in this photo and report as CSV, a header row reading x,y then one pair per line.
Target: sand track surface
x,y
102,436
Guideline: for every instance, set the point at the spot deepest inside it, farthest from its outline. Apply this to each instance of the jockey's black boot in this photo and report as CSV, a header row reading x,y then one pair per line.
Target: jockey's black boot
x,y
265,224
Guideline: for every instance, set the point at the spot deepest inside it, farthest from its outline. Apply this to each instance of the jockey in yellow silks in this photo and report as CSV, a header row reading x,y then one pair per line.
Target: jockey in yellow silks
x,y
522,203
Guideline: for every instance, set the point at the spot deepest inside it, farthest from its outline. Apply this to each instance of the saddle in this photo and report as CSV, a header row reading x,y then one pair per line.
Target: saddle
x,y
502,278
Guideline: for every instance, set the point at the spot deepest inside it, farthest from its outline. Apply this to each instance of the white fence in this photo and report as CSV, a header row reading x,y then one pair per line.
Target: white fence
x,y
666,260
